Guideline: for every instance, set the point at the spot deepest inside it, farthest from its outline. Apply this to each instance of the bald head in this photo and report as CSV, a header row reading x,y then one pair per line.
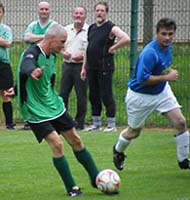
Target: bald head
x,y
44,10
43,3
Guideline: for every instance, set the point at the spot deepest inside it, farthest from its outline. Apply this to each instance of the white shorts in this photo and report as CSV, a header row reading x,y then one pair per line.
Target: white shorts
x,y
139,106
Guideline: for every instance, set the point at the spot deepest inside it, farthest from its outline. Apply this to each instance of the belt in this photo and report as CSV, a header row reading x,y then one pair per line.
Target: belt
x,y
73,63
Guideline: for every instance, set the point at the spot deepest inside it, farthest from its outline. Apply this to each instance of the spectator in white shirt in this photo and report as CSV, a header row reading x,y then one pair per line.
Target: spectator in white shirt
x,y
73,55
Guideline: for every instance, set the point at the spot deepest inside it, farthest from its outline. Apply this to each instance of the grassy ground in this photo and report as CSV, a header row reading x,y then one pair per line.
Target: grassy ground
x,y
151,172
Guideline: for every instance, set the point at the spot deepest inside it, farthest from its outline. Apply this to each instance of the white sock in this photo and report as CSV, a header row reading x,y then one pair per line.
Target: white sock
x,y
182,142
111,122
122,144
96,120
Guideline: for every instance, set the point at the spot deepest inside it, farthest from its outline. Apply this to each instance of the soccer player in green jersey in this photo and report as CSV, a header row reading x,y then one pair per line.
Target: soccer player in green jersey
x,y
35,31
44,110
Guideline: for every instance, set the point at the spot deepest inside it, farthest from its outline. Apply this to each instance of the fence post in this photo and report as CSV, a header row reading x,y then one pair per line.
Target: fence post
x,y
133,46
148,21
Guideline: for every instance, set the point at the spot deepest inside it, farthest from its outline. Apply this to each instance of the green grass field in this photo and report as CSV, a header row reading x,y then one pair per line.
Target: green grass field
x,y
151,172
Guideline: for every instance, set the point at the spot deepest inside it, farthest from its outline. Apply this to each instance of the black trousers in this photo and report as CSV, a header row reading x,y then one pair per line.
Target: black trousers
x,y
100,90
71,78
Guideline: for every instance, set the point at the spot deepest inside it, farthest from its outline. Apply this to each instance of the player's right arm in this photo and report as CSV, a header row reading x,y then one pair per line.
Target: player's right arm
x,y
146,64
28,64
171,76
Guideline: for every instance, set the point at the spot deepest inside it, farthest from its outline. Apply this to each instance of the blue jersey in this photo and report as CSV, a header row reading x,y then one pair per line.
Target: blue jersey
x,y
151,61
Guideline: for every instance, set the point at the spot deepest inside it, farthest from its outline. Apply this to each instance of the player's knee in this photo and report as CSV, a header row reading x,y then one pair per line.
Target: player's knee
x,y
136,133
58,147
181,123
77,142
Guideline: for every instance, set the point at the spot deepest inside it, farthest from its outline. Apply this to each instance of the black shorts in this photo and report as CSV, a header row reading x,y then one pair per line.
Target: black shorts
x,y
62,123
6,76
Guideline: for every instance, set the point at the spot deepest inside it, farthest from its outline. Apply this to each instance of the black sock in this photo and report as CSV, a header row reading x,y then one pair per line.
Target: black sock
x,y
8,112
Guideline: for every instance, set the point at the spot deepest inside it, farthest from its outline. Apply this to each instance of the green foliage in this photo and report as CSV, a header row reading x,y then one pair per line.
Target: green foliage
x,y
151,171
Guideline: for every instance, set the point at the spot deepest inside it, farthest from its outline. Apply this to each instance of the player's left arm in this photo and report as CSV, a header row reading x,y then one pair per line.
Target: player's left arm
x,y
122,39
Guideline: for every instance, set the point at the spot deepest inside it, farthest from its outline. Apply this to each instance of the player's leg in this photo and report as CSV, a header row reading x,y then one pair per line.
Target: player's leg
x,y
46,131
138,107
65,125
59,160
8,111
181,137
124,140
170,108
82,154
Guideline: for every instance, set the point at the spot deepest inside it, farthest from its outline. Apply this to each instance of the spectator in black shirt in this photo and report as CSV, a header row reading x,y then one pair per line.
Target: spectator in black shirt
x,y
99,66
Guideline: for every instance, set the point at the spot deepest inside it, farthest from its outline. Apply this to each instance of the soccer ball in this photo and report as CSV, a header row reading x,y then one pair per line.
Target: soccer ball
x,y
108,181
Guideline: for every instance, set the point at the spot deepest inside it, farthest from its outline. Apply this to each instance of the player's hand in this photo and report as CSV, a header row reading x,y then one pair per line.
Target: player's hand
x,y
78,58
9,93
111,50
66,55
83,74
36,74
172,75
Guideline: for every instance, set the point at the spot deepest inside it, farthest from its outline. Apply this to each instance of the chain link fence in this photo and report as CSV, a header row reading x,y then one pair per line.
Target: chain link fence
x,y
19,13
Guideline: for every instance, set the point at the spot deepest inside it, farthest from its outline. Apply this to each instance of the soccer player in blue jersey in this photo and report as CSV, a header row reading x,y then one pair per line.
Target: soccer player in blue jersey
x,y
149,90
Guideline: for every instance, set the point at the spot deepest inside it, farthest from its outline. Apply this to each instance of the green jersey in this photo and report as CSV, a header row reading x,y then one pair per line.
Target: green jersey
x,y
36,28
5,33
38,101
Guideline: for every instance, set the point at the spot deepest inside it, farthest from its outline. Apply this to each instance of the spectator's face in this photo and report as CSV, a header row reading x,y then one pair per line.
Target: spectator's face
x,y
1,13
79,15
44,11
100,14
165,37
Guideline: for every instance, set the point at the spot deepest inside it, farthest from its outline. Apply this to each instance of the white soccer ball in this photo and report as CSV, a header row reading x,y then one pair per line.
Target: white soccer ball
x,y
108,181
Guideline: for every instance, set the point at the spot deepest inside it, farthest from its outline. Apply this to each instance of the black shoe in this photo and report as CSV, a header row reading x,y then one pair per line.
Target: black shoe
x,y
10,126
75,192
184,164
80,128
26,127
118,159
